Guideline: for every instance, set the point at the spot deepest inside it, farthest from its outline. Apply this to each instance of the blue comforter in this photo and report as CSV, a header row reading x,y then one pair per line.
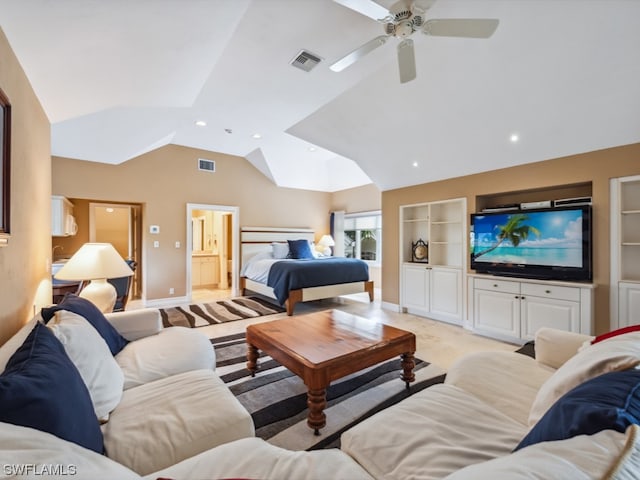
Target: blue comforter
x,y
287,275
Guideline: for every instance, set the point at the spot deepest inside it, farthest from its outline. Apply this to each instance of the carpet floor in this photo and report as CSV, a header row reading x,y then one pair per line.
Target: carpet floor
x,y
277,399
204,314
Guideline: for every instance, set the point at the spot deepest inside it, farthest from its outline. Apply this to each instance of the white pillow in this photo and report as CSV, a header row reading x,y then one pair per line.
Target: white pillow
x,y
280,250
91,355
10,346
614,354
607,454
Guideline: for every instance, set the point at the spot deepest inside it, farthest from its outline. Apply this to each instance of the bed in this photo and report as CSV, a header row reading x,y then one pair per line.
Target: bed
x,y
290,281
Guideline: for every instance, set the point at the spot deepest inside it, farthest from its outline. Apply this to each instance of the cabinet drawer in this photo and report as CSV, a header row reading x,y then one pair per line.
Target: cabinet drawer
x,y
496,285
551,291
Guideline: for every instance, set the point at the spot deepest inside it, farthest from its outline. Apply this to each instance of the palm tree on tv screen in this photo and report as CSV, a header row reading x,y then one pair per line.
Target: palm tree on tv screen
x,y
514,230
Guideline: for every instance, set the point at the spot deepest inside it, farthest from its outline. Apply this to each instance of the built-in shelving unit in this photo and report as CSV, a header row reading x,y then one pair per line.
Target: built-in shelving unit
x,y
625,250
432,285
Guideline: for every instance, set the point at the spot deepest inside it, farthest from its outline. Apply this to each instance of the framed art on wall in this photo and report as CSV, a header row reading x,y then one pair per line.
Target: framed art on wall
x,y
5,167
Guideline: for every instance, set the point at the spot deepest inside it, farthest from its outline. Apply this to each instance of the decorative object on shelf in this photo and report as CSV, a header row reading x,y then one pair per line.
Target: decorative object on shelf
x,y
96,262
420,251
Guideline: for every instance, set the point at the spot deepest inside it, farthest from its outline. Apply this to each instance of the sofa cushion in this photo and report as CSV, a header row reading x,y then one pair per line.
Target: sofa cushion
x,y
90,354
609,401
174,350
93,315
42,389
615,354
508,381
257,459
163,422
605,455
435,432
38,453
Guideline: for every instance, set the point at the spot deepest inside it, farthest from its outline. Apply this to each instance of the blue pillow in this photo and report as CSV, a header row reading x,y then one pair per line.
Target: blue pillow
x,y
91,313
300,249
607,402
41,388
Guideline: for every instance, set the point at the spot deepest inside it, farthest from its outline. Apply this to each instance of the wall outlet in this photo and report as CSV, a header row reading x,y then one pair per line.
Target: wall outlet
x,y
156,244
171,291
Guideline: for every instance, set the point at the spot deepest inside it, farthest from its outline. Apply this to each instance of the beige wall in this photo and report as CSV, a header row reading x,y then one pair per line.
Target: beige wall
x,y
165,180
25,284
595,167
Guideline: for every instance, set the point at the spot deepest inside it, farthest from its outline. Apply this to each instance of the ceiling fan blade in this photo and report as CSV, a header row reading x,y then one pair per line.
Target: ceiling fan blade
x,y
461,27
368,8
358,53
406,61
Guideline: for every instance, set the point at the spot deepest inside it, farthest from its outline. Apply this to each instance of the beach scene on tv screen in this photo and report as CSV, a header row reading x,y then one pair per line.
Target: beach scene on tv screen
x,y
552,238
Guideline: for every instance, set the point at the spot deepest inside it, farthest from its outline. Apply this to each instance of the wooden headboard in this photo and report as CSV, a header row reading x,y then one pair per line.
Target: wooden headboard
x,y
254,240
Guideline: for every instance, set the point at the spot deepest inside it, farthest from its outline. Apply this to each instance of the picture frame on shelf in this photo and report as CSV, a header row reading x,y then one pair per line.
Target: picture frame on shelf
x,y
420,251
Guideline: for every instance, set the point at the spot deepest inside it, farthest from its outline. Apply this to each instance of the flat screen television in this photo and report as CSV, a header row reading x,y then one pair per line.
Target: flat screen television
x,y
550,243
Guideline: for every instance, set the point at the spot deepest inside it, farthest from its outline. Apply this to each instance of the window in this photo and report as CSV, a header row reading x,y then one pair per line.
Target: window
x,y
363,236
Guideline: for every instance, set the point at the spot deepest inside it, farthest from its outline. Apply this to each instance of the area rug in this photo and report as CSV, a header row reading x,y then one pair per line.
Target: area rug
x,y
203,314
277,399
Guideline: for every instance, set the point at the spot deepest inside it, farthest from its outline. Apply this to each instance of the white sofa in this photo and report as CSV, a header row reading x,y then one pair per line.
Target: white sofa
x,y
159,398
466,428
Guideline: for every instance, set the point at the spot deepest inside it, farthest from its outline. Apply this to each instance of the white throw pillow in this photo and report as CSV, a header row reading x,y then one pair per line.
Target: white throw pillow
x,y
280,250
91,355
615,354
607,454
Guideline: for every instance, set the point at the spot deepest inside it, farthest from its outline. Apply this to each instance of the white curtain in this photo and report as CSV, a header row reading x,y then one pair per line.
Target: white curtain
x,y
337,232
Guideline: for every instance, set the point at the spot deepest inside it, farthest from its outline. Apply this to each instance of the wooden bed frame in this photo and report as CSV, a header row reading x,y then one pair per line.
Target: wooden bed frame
x,y
258,239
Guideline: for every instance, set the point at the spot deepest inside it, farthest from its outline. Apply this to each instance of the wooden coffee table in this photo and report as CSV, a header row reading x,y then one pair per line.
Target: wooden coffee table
x,y
328,345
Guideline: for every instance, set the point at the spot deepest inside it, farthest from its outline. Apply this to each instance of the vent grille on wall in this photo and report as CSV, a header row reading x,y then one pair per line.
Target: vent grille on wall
x,y
206,165
306,61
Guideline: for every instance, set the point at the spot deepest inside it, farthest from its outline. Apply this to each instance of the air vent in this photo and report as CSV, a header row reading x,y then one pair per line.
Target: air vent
x,y
206,165
306,61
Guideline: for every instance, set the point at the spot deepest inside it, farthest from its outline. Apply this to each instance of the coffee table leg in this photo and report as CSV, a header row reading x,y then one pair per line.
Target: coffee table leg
x,y
316,401
408,363
252,359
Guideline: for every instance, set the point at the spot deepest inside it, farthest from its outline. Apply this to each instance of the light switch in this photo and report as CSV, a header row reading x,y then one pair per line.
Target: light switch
x,y
156,244
177,244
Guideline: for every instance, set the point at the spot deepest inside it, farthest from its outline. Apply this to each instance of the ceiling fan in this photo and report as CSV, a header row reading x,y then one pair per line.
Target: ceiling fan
x,y
403,19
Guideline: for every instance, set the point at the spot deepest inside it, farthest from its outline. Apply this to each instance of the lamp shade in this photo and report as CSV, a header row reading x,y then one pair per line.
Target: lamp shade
x,y
327,241
94,261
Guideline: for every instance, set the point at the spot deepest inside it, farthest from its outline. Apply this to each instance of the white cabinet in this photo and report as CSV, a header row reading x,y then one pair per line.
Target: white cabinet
x,y
63,222
513,310
205,270
431,278
625,250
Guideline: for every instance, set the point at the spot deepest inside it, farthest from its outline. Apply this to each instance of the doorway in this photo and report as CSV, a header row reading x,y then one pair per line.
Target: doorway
x,y
120,225
212,252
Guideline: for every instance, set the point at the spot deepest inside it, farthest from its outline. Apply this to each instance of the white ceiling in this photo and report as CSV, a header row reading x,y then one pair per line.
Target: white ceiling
x,y
119,78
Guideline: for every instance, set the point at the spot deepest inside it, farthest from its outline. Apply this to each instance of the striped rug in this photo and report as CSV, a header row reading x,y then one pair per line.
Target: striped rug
x,y
203,314
277,399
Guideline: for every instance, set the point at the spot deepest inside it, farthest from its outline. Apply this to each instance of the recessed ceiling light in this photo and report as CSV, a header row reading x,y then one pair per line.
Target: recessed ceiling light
x,y
414,164
256,135
312,149
109,210
514,137
201,123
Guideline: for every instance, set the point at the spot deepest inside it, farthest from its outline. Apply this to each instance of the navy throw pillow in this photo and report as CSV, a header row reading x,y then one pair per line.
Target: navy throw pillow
x,y
607,402
299,249
91,313
41,388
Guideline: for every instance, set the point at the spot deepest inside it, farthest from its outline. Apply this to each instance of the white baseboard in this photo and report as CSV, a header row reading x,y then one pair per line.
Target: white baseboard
x,y
165,302
394,307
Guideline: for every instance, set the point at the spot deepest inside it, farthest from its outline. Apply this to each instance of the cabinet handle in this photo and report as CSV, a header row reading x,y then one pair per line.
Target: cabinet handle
x,y
495,285
516,297
547,291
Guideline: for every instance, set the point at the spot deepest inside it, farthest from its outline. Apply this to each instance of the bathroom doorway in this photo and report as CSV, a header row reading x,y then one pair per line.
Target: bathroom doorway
x,y
120,225
212,252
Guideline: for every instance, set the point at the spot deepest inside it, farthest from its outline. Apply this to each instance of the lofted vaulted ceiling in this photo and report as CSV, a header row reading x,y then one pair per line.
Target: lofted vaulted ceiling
x,y
119,78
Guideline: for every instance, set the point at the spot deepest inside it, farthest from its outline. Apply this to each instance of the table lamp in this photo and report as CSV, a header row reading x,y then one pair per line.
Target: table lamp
x,y
96,262
325,244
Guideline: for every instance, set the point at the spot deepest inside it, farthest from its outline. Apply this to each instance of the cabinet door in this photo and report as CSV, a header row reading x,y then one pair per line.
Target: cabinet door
x,y
207,272
540,312
496,313
629,304
446,295
415,285
195,272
